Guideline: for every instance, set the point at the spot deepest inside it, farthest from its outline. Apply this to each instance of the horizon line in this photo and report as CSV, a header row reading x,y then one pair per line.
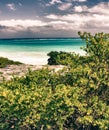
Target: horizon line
x,y
41,38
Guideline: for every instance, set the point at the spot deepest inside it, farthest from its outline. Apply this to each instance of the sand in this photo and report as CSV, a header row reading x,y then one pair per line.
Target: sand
x,y
20,70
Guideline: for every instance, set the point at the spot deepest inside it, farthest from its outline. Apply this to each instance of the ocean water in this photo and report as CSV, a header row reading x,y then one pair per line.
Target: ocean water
x,y
34,51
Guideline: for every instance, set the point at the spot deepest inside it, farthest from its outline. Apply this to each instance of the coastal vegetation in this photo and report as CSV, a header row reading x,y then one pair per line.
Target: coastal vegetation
x,y
5,61
67,58
74,98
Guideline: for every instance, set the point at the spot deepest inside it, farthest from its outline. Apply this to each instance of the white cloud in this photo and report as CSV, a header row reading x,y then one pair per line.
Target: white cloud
x,y
65,6
100,8
11,6
23,23
57,22
21,28
79,0
80,8
59,25
52,16
52,2
95,18
80,18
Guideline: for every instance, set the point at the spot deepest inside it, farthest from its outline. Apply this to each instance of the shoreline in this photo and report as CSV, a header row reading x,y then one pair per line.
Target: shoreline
x,y
32,58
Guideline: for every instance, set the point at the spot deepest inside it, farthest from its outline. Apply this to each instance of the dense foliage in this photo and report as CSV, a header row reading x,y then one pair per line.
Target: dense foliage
x,y
75,98
5,61
67,58
63,58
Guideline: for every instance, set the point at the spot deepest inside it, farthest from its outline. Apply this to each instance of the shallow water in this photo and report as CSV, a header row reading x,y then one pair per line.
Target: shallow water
x,y
34,51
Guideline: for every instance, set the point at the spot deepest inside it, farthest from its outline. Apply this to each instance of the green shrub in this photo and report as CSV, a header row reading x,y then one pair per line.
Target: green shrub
x,y
66,58
5,61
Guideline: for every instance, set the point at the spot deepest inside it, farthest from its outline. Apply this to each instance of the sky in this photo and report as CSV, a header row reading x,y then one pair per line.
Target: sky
x,y
52,18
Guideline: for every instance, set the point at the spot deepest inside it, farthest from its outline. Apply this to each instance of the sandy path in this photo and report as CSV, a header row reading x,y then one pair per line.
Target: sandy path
x,y
19,70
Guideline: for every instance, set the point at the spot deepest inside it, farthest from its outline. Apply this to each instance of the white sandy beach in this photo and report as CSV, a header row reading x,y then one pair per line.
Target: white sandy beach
x,y
32,58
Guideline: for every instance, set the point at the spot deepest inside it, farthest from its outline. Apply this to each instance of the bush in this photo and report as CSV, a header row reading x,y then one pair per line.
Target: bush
x,y
70,59
5,61
63,58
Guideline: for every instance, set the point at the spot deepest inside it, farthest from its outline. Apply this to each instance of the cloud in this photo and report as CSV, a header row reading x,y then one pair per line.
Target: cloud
x,y
2,27
92,19
65,6
51,29
80,8
20,28
24,23
34,28
101,8
52,2
52,16
83,18
80,0
11,6
59,25
18,25
76,1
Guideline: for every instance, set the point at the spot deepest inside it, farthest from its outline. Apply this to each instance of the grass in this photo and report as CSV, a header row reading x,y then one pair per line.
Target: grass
x,y
5,61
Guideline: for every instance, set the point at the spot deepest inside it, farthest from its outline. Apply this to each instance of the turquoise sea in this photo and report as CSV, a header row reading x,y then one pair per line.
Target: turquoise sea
x,y
34,51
